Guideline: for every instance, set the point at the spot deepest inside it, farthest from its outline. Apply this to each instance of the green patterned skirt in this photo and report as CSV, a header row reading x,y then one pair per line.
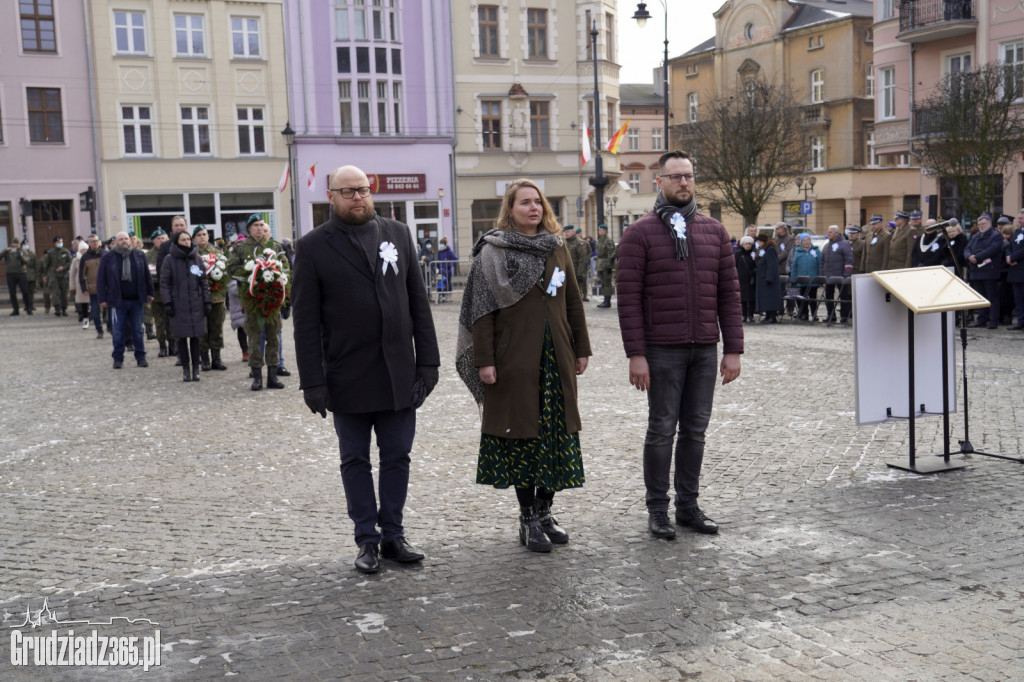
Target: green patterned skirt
x,y
552,460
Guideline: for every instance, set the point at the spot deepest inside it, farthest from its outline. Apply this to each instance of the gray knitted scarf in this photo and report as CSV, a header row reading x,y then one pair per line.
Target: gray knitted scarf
x,y
667,212
506,264
126,262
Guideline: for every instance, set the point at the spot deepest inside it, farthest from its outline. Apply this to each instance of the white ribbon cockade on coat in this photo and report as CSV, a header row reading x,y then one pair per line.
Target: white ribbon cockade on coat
x,y
388,254
679,225
557,280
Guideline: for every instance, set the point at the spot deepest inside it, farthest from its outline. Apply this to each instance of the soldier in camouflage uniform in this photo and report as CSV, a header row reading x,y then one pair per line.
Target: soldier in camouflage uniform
x,y
57,266
244,251
157,306
605,263
212,342
579,251
32,272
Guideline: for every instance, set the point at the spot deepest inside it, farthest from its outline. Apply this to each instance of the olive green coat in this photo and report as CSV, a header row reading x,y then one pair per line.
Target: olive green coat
x,y
512,339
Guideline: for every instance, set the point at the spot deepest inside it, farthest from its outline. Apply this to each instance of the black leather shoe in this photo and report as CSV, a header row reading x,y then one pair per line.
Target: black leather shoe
x,y
979,323
695,519
283,372
657,523
400,550
142,363
118,364
367,561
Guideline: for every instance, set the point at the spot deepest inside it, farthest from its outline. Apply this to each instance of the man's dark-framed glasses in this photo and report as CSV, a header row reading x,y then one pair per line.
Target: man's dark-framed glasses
x,y
349,192
676,177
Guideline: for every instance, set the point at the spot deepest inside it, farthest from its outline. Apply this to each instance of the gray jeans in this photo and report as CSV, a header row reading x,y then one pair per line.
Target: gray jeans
x,y
681,394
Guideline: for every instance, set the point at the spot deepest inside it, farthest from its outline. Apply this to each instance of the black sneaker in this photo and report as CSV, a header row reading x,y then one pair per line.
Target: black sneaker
x,y
695,519
657,523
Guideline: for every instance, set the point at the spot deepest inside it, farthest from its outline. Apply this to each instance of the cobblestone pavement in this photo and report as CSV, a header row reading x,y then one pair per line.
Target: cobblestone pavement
x,y
218,514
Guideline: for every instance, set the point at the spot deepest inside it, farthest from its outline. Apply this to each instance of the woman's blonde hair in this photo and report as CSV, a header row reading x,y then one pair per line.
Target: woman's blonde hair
x,y
547,221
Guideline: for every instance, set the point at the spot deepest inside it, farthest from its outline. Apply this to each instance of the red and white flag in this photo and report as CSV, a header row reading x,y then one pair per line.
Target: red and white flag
x,y
283,182
311,177
586,145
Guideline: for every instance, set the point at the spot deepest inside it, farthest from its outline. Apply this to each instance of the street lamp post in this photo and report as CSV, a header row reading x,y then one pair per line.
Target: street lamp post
x,y
642,15
289,140
610,205
599,181
805,184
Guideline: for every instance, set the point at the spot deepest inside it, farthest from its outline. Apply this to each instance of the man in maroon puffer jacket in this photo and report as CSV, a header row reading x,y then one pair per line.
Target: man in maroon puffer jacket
x,y
677,286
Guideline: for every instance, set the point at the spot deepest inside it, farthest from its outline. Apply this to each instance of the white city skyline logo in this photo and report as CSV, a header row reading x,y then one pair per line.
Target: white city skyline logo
x,y
47,616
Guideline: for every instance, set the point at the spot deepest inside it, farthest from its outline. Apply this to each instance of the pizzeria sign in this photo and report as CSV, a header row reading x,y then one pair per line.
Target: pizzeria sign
x,y
396,184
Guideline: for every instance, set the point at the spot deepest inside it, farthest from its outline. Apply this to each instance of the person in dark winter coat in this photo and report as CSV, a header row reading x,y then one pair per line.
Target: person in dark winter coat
x,y
124,286
367,351
985,262
837,261
932,248
746,269
186,300
677,296
769,286
1015,268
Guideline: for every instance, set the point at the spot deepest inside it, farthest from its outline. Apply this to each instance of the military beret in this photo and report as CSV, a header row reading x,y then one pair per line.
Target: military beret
x,y
197,229
15,241
58,239
985,215
252,219
157,233
891,224
602,227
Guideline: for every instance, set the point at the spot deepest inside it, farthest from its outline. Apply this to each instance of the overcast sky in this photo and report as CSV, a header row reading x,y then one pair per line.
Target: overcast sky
x,y
642,50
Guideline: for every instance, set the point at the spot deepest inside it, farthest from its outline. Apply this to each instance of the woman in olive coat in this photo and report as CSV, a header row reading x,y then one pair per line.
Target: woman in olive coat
x,y
186,299
523,313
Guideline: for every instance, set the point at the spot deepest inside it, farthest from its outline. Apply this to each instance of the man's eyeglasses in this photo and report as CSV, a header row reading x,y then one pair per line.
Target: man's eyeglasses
x,y
676,177
349,192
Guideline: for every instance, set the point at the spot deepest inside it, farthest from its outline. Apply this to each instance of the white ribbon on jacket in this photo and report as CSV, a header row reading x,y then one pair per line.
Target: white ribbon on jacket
x,y
557,280
389,256
679,225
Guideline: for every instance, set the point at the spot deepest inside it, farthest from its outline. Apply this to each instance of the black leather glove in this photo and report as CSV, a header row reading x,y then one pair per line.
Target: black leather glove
x,y
426,379
207,309
169,309
316,399
286,311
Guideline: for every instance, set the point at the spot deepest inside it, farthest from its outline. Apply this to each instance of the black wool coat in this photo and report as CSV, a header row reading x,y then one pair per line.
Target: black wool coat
x,y
360,330
183,283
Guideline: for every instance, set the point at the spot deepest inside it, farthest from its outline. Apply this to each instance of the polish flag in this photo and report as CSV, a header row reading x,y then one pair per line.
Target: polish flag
x,y
283,182
311,177
586,145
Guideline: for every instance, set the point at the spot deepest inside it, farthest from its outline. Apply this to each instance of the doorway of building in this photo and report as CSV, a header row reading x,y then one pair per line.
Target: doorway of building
x,y
51,218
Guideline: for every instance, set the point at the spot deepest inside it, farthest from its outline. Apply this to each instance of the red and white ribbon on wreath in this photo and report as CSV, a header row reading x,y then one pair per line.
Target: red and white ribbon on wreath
x,y
260,264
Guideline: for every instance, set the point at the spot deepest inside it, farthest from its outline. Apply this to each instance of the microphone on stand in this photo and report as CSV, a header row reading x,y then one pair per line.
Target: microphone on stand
x,y
952,222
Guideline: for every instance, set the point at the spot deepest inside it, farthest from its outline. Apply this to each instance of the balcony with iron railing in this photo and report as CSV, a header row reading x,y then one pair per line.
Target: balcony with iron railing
x,y
927,20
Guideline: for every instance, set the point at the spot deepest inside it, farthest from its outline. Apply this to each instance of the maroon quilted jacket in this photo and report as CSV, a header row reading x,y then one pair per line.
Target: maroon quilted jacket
x,y
662,301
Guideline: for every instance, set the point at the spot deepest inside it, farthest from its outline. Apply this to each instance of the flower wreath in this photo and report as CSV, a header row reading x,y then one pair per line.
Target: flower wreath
x,y
266,286
216,267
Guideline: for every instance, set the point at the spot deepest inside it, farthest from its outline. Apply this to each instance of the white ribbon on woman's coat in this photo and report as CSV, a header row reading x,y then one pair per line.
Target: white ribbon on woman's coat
x,y
557,280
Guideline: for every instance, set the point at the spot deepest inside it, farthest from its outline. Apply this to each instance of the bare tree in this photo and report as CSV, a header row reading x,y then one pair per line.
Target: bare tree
x,y
970,132
748,146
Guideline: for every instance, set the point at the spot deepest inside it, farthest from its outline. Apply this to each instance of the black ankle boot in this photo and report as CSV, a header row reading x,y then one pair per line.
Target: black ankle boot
x,y
548,523
257,379
204,360
216,363
272,381
530,532
149,332
162,353
185,374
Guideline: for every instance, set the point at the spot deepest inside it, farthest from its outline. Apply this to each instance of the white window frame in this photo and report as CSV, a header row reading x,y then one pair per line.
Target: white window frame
x,y
817,153
869,80
244,29
195,126
190,32
657,137
132,32
887,93
634,183
873,158
137,124
692,107
817,86
248,126
886,9
633,139
1011,56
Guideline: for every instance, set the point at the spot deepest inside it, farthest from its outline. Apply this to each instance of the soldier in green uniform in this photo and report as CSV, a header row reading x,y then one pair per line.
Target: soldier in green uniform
x,y
57,265
17,275
157,306
605,263
213,341
32,273
579,251
244,251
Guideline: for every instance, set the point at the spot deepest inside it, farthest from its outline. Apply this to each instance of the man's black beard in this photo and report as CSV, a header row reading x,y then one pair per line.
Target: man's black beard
x,y
352,219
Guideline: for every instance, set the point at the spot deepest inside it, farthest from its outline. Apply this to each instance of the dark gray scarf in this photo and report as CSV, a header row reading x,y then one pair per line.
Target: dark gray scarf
x,y
506,264
667,212
126,262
